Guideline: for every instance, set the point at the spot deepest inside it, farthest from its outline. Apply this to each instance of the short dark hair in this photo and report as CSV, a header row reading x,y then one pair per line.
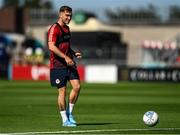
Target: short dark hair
x,y
65,8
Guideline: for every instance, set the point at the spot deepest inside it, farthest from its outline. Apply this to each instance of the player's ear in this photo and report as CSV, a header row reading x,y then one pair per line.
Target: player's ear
x,y
60,15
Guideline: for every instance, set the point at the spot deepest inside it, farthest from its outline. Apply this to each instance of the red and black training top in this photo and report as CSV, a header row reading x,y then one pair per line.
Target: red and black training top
x,y
61,36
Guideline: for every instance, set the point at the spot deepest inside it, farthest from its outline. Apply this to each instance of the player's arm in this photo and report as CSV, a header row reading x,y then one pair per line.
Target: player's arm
x,y
59,53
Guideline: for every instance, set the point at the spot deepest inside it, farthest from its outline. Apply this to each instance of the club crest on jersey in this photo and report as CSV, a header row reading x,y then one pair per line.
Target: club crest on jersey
x,y
57,81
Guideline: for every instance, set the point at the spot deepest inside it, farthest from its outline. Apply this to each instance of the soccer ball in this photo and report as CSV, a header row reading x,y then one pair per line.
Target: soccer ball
x,y
150,118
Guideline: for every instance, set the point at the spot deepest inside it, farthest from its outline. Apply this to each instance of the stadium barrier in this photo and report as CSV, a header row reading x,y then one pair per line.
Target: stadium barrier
x,y
101,74
89,73
154,74
98,73
35,72
29,72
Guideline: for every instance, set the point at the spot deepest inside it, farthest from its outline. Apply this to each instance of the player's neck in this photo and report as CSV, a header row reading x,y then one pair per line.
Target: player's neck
x,y
61,23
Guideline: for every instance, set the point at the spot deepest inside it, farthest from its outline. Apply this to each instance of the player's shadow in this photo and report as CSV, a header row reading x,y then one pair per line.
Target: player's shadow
x,y
85,124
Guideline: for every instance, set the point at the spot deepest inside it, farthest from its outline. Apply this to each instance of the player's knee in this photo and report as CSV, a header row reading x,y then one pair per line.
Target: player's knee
x,y
77,87
62,91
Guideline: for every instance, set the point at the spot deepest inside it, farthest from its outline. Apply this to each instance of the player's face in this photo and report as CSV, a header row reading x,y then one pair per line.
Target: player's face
x,y
66,17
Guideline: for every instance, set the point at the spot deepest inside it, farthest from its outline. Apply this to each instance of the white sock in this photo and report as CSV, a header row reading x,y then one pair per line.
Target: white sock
x,y
71,106
63,115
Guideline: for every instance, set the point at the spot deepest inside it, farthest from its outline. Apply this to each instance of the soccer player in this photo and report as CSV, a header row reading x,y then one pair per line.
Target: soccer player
x,y
62,65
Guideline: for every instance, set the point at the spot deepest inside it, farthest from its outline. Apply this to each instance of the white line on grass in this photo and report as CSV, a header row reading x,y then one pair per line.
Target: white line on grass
x,y
93,131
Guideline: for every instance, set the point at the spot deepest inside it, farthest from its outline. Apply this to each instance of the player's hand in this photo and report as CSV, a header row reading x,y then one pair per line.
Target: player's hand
x,y
69,61
78,55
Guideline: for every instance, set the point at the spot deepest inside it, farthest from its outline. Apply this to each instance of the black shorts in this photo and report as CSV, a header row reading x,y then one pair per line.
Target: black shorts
x,y
59,77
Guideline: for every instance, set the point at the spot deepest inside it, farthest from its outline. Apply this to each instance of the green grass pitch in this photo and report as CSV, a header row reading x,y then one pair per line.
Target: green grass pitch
x,y
30,107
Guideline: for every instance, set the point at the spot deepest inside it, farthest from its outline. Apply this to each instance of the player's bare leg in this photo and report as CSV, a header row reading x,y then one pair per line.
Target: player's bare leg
x,y
61,98
73,98
62,107
75,91
62,102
